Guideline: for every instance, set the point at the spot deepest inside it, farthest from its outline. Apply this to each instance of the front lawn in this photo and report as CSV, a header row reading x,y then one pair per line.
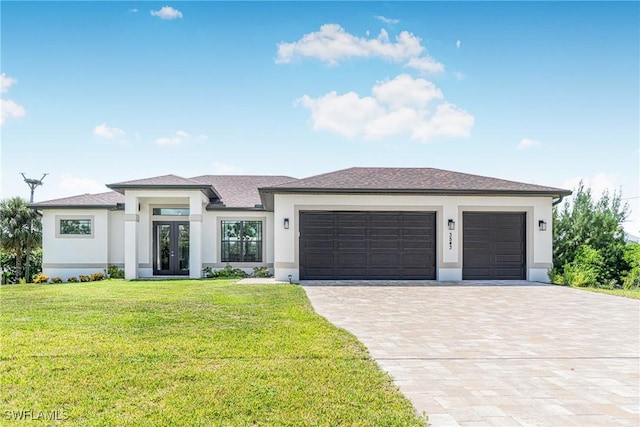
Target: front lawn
x,y
185,352
629,293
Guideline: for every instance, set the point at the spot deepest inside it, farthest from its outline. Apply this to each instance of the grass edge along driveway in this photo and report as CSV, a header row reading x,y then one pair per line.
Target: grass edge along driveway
x,y
185,352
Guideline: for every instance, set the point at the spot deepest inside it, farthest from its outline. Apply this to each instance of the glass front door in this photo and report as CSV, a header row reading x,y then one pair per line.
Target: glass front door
x,y
170,248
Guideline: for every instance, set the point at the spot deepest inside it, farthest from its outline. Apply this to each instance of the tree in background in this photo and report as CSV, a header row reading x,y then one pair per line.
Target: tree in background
x,y
20,228
589,241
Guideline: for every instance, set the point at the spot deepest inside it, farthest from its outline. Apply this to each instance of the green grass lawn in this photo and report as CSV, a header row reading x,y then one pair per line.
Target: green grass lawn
x,y
629,293
186,352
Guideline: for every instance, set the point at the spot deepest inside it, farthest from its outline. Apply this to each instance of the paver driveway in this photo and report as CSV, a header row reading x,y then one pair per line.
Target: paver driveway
x,y
504,354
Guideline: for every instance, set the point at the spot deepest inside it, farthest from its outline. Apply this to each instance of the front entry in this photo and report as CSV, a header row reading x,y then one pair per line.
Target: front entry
x,y
170,248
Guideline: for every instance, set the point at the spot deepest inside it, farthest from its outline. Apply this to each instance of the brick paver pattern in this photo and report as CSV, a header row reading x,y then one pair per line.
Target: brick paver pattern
x,y
497,353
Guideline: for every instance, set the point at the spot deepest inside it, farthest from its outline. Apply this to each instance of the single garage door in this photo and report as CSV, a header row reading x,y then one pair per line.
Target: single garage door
x,y
367,245
493,245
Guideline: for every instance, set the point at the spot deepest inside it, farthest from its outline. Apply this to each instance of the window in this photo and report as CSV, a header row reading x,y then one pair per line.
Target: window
x,y
241,241
171,211
75,227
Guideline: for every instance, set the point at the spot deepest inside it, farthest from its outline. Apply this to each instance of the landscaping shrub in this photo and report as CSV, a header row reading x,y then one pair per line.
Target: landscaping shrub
x,y
113,272
56,280
72,279
586,268
97,276
228,273
589,241
632,257
261,272
40,278
84,278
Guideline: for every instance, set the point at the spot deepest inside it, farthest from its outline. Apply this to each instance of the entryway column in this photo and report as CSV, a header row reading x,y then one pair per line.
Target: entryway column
x,y
195,236
131,219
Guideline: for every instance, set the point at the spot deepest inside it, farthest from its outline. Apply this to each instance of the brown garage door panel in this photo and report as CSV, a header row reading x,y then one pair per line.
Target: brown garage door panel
x,y
367,245
493,245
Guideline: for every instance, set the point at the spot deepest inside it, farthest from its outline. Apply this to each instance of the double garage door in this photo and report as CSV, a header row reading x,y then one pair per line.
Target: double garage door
x,y
367,245
402,245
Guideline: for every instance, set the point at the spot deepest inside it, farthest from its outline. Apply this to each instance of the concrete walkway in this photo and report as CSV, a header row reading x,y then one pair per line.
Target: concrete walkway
x,y
498,353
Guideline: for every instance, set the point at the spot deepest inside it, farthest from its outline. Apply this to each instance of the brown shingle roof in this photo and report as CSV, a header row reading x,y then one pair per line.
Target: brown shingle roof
x,y
157,180
233,191
241,191
102,200
409,179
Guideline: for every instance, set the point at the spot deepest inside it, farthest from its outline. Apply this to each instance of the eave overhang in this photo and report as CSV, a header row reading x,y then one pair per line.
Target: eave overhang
x,y
267,193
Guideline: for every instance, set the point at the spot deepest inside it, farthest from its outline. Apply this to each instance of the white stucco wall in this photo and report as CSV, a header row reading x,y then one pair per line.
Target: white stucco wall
x,y
65,256
211,229
449,251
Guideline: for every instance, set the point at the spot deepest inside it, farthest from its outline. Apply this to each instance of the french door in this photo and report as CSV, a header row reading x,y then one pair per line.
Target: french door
x,y
170,248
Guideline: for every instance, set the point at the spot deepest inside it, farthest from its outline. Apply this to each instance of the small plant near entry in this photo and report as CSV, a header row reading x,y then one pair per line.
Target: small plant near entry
x,y
40,278
84,278
72,279
22,281
97,276
228,273
261,272
113,272
56,280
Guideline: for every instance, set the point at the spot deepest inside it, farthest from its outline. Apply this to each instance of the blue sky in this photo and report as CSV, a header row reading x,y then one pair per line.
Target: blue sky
x,y
101,92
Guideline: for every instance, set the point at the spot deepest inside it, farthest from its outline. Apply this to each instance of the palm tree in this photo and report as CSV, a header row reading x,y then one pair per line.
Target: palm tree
x,y
20,228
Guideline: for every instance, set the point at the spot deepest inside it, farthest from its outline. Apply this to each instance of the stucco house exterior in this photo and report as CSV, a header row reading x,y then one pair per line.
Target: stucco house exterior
x,y
357,223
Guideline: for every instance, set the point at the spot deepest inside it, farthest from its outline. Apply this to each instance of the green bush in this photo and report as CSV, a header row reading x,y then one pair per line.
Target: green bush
x,y
227,273
40,278
261,272
84,278
72,279
113,272
56,280
632,257
97,276
585,270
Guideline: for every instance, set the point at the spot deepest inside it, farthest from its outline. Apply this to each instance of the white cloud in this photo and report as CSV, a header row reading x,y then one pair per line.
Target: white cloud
x,y
448,121
104,131
10,109
341,114
386,20
134,10
598,183
70,184
332,44
458,75
220,168
397,107
426,64
405,91
167,13
6,82
458,43
528,143
179,138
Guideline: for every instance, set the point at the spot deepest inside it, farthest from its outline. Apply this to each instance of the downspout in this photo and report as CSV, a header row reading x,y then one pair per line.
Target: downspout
x,y
558,200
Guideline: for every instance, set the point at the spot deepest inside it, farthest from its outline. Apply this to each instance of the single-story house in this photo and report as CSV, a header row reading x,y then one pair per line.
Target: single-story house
x,y
357,223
